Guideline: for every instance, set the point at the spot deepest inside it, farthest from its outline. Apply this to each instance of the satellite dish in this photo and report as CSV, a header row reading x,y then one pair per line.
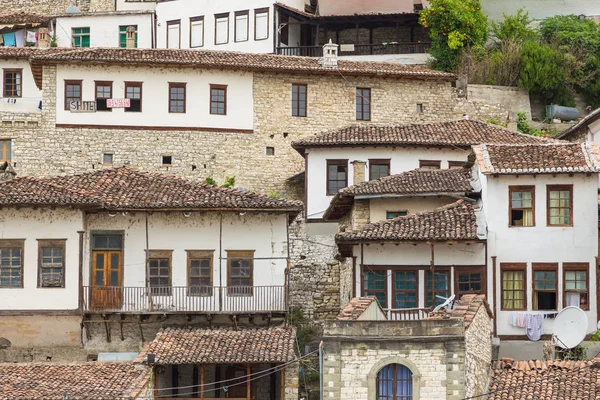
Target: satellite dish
x,y
445,304
570,327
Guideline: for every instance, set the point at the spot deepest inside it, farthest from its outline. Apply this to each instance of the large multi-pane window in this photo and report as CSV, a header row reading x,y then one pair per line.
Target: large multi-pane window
x,y
174,34
522,205
545,287
80,37
240,269
261,23
513,286
11,263
222,28
160,272
469,280
133,92
576,285
378,168
405,289
72,92
375,284
394,382
363,104
560,205
200,272
242,25
177,97
298,100
13,83
337,176
218,99
103,93
51,263
438,288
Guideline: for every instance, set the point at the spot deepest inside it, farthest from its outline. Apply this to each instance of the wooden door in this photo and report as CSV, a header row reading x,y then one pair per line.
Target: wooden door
x,y
239,388
107,280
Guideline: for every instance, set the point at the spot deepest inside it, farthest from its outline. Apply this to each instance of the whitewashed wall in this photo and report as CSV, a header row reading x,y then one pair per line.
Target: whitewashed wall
x,y
125,5
31,225
402,159
379,207
31,95
104,29
155,97
541,243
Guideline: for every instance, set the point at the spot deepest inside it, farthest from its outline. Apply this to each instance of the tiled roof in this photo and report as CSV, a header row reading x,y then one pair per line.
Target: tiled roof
x,y
456,221
235,61
26,52
22,18
127,189
588,119
465,308
52,381
356,307
533,380
421,181
461,133
192,345
538,159
335,16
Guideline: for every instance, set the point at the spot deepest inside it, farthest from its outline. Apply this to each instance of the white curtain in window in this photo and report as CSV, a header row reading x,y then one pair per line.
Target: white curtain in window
x,y
573,299
241,28
261,22
197,33
221,31
173,36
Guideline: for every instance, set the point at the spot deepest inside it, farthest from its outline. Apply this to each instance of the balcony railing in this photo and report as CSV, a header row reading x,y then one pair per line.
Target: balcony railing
x,y
407,314
359,49
182,299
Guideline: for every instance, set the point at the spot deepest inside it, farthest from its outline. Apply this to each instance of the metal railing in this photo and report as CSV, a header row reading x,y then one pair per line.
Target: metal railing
x,y
184,299
360,49
407,314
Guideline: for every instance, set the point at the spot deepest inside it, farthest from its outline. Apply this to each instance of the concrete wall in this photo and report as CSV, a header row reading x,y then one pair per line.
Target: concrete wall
x,y
539,9
40,331
30,94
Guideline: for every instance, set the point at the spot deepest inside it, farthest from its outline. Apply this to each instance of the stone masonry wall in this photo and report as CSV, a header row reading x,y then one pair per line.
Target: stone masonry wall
x,y
49,7
478,355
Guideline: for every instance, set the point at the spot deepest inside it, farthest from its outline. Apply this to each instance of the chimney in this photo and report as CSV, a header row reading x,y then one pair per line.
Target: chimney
x,y
511,122
358,171
7,172
330,55
130,37
44,38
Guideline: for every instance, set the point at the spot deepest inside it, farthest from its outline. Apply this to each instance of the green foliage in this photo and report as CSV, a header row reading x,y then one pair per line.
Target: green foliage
x,y
274,195
210,181
229,182
453,26
514,28
54,41
304,328
570,30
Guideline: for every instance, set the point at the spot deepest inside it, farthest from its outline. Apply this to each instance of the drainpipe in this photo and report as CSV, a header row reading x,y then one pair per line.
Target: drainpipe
x,y
220,260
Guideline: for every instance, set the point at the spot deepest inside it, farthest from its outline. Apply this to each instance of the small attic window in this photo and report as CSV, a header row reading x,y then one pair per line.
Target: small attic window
x,y
270,151
107,158
419,108
167,160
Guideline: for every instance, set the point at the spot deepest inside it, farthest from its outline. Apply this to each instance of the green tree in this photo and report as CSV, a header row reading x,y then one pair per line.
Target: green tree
x,y
513,28
454,25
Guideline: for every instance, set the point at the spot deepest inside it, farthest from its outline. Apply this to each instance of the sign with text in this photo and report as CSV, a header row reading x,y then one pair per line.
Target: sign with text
x,y
118,103
82,106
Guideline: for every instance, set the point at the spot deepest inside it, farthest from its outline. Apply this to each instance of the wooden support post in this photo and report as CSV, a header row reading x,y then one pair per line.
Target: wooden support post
x,y
283,384
201,381
248,382
432,277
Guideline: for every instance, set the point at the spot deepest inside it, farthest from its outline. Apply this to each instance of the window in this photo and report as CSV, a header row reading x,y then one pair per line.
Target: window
x,y
51,264
395,214
241,26
430,164
123,35
469,280
375,284
240,265
72,92
200,264
456,164
378,169
174,34
337,176
394,382
522,205
160,272
363,104
81,37
107,158
513,286
298,100
133,92
13,83
405,289
6,150
576,285
218,99
222,28
261,24
167,160
196,32
560,205
176,97
270,151
442,288
545,288
11,263
419,107
103,92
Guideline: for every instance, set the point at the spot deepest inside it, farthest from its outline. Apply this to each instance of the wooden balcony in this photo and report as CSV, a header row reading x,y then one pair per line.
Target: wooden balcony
x,y
185,300
359,49
407,314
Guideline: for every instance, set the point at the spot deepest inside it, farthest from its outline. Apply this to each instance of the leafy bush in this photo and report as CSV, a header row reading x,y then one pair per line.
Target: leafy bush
x,y
513,28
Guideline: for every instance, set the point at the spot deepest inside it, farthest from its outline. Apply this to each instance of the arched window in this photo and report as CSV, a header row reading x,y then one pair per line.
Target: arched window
x,y
394,382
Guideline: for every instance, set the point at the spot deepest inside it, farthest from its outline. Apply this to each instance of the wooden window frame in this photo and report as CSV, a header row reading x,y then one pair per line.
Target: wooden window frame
x,y
235,25
363,290
394,291
4,150
200,255
469,270
72,83
576,267
102,83
554,188
437,164
192,20
15,243
456,164
395,383
210,103
169,24
379,161
135,84
261,11
217,17
504,267
511,190
161,255
544,267
335,162
4,86
80,35
445,271
51,243
178,85
395,212
363,106
240,254
297,111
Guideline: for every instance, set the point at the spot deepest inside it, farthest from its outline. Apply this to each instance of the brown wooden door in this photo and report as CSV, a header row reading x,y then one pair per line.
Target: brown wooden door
x,y
107,280
238,388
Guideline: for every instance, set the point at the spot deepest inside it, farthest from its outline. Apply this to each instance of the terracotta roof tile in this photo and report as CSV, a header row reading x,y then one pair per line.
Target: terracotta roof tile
x,y
461,133
539,159
356,307
127,189
534,379
26,52
456,181
190,345
456,221
583,123
22,18
466,308
51,381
